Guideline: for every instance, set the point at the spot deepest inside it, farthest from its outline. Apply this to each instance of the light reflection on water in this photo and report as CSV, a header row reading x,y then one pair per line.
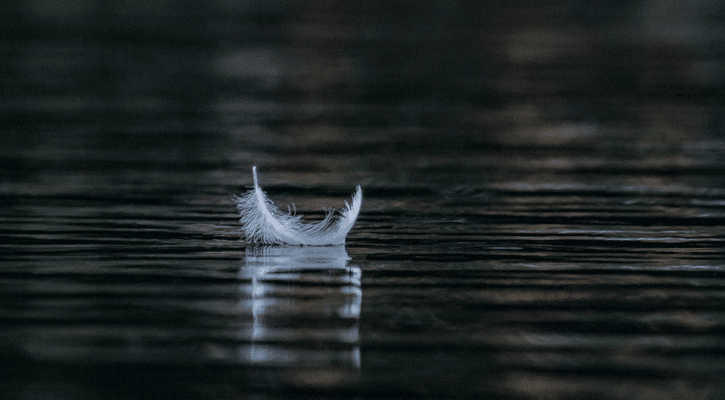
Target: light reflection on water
x,y
305,304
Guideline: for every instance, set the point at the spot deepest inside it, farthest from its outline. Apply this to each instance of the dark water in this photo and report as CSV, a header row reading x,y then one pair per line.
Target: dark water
x,y
544,210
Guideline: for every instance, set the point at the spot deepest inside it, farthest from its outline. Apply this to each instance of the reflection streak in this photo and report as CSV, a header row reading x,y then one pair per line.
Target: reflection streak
x,y
305,303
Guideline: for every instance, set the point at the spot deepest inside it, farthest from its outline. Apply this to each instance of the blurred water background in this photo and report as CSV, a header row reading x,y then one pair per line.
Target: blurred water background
x,y
544,211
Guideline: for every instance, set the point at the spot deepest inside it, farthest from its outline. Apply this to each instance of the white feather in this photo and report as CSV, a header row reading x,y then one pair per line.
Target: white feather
x,y
263,222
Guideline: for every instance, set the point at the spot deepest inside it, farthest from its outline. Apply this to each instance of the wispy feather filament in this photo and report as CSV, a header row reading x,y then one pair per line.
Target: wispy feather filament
x,y
263,222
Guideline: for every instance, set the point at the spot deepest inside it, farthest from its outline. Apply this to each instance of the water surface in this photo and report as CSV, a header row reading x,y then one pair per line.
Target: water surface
x,y
543,217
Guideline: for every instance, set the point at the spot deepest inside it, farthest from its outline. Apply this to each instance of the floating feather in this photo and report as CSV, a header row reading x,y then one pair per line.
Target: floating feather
x,y
263,222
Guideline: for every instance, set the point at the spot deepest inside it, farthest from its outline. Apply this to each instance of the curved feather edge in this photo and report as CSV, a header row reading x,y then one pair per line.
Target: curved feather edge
x,y
263,222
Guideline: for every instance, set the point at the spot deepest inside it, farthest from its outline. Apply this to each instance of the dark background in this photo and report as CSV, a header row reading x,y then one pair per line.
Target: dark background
x,y
544,185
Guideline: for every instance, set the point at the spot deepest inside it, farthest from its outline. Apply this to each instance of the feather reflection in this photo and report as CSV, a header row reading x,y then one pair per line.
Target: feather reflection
x,y
305,303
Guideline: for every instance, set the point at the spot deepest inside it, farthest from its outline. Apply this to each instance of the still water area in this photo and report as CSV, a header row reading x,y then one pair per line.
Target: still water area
x,y
543,213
